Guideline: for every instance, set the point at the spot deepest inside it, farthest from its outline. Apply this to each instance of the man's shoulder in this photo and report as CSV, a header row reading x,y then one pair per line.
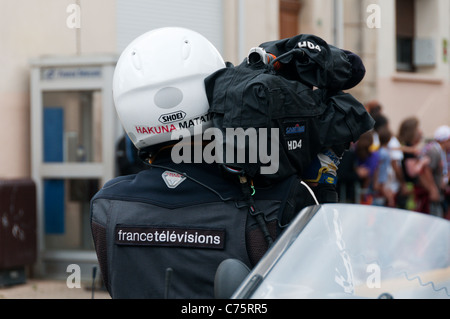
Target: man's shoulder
x,y
432,147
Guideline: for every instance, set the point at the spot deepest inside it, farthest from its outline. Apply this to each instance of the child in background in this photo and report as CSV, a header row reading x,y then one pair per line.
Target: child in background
x,y
384,194
366,166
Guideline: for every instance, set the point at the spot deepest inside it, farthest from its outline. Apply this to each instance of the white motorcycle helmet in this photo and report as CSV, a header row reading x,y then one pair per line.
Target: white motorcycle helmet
x,y
158,84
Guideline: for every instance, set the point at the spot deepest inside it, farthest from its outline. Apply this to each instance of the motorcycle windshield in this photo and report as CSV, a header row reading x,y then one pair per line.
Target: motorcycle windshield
x,y
355,251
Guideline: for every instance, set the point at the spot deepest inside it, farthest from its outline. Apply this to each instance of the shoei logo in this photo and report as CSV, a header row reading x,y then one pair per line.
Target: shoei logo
x,y
172,117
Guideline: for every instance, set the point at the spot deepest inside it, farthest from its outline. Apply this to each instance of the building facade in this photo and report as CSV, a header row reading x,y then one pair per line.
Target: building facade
x,y
403,44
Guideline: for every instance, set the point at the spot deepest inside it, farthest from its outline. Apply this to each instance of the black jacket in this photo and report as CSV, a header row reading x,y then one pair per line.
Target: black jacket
x,y
156,220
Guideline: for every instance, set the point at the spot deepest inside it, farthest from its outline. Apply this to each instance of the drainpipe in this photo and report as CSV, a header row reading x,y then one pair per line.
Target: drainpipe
x,y
241,30
338,25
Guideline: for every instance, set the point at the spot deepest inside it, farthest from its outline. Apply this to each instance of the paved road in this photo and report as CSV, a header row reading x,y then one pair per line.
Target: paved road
x,y
50,289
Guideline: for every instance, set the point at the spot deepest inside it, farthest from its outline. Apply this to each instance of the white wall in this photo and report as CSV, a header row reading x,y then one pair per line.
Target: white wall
x,y
424,93
29,29
248,23
135,17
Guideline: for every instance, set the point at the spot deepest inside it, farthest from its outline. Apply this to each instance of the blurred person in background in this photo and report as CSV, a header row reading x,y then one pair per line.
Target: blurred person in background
x,y
367,163
447,189
437,167
351,174
396,180
398,184
414,166
375,109
384,192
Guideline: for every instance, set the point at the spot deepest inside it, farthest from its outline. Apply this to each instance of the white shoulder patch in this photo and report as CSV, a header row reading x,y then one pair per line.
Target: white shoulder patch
x,y
172,179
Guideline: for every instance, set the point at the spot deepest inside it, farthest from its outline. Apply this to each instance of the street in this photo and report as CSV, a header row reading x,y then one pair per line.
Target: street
x,y
50,289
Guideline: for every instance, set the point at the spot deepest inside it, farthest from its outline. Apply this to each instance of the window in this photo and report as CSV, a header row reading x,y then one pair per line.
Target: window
x,y
289,10
405,33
